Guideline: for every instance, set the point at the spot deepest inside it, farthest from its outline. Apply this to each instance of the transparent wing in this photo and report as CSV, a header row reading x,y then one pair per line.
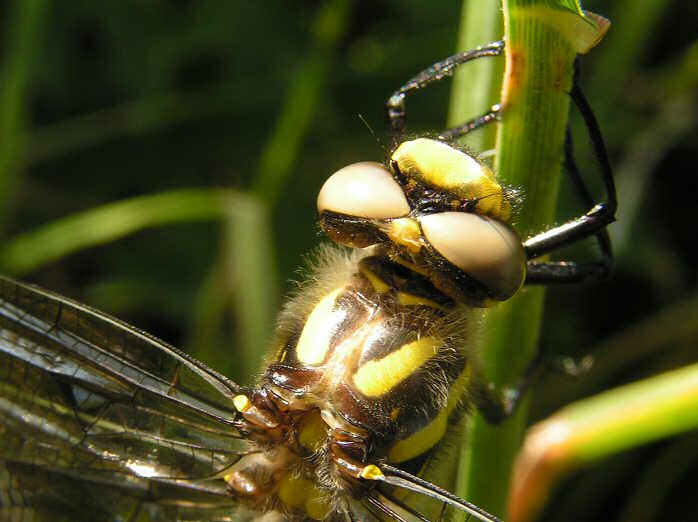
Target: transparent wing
x,y
39,494
96,413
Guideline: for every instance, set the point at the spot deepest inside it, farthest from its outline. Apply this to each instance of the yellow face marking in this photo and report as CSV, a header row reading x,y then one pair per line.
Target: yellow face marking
x,y
406,232
314,341
441,166
379,376
426,438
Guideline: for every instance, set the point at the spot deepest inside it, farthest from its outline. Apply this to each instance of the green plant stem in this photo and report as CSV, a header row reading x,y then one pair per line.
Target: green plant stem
x,y
477,87
543,39
601,426
111,222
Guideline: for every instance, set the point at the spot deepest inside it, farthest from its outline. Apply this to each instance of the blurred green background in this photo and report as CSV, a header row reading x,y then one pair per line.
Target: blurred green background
x,y
254,104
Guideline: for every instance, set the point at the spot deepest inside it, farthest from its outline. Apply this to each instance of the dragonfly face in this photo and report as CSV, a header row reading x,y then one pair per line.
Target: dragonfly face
x,y
370,366
436,210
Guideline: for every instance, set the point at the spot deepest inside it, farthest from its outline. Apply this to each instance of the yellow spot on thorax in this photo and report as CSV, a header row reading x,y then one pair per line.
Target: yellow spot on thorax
x,y
314,341
378,284
293,490
371,472
303,494
312,431
423,440
317,504
377,377
242,403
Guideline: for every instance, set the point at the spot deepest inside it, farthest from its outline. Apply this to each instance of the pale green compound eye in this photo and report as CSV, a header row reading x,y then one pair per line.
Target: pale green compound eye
x,y
484,248
365,190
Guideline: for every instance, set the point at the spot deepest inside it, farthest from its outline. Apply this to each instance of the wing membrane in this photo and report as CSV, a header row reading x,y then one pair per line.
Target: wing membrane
x,y
41,494
93,403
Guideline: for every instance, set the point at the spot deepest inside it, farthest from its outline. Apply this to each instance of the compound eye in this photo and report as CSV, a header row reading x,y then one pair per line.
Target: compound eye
x,y
365,190
484,248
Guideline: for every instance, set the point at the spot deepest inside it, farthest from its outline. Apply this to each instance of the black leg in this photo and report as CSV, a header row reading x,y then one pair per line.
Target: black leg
x,y
564,272
593,222
497,405
456,132
438,71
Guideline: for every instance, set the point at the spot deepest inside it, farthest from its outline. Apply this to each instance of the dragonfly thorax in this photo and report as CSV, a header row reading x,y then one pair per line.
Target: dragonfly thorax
x,y
372,369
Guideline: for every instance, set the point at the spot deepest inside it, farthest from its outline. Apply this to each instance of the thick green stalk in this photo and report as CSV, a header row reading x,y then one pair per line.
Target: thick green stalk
x,y
543,39
601,426
476,87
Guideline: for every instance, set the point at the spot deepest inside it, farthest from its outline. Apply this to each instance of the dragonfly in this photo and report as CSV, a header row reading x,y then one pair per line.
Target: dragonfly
x,y
370,367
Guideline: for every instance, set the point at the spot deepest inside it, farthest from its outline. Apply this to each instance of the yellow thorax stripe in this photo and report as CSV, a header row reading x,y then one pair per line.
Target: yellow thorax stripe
x,y
378,284
314,341
423,440
407,299
377,377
